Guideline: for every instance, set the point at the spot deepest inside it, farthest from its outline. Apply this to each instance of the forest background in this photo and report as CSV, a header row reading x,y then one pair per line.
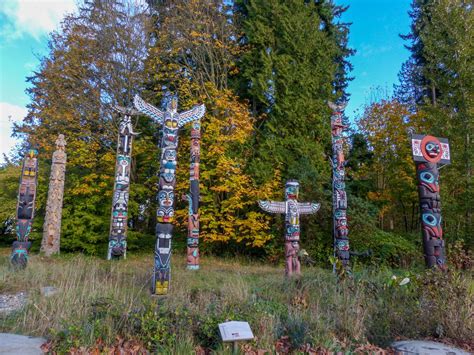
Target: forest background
x,y
265,70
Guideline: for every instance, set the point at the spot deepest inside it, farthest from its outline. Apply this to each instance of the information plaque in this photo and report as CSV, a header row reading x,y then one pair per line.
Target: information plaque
x,y
235,331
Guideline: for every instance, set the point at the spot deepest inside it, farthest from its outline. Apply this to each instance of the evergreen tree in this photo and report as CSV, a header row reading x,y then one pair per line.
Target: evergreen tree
x,y
440,75
296,61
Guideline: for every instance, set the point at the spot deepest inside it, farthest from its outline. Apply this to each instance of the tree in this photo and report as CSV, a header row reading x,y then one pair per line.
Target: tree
x,y
387,125
441,71
9,183
194,55
295,62
95,61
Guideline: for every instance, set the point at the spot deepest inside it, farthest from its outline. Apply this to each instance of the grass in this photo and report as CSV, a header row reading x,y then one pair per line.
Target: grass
x,y
99,301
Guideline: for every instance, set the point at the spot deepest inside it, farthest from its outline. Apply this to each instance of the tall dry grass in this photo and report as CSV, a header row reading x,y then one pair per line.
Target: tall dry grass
x,y
101,299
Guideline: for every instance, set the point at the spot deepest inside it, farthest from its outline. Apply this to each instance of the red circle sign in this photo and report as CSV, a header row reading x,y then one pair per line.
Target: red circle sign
x,y
424,142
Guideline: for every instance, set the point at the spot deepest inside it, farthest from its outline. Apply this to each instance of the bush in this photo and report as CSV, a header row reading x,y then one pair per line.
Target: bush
x,y
388,249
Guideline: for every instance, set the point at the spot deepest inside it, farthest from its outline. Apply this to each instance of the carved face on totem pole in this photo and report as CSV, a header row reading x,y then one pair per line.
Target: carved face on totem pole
x,y
429,179
292,214
117,245
292,189
341,223
26,202
60,142
30,163
430,149
122,178
165,211
168,167
171,119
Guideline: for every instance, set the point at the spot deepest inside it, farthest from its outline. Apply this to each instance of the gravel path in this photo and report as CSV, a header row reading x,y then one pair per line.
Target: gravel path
x,y
12,302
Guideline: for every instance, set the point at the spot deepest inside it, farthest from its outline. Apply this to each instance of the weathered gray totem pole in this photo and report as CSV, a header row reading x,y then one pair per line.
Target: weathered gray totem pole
x,y
25,208
119,215
340,229
50,243
171,121
428,152
193,198
292,210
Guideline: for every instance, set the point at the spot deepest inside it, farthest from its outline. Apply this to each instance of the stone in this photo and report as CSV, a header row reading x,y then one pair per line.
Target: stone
x,y
423,347
12,302
48,291
14,344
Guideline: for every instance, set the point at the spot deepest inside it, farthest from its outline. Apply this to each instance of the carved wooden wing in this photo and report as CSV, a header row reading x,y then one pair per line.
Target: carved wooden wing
x,y
149,110
308,207
273,206
191,115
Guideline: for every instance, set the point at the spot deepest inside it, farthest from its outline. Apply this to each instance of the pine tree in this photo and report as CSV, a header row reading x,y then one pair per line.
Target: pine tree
x,y
440,75
296,61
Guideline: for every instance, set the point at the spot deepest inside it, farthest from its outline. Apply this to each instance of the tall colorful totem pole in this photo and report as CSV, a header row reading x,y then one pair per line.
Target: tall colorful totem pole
x,y
25,208
119,215
50,243
339,200
292,210
171,121
428,152
193,198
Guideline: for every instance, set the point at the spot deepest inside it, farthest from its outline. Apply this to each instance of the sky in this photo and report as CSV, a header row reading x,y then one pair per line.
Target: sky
x,y
26,24
374,34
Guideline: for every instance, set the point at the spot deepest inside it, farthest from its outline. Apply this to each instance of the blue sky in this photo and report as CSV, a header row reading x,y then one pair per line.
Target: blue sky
x,y
374,33
25,25
24,29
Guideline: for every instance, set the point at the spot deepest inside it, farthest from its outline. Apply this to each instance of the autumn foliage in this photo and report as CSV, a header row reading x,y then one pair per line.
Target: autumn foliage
x,y
265,70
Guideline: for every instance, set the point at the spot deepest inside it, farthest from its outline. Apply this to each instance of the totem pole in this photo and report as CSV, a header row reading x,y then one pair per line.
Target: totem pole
x,y
193,199
25,208
339,200
54,206
428,152
292,210
119,215
171,121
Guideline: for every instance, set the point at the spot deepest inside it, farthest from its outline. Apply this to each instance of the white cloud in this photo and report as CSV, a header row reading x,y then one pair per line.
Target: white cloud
x,y
8,115
370,50
33,17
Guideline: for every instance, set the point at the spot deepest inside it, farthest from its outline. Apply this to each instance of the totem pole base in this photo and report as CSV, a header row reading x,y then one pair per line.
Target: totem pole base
x,y
161,288
19,256
292,265
161,282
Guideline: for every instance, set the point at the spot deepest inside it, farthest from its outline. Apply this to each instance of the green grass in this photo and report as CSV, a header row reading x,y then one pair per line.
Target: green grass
x,y
98,299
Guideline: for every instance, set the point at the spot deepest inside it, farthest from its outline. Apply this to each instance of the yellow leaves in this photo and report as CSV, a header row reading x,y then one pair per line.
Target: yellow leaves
x,y
228,208
387,126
